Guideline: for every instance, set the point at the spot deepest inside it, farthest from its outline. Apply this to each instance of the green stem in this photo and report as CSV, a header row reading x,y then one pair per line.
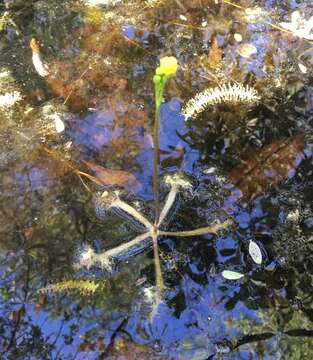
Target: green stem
x,y
156,157
156,160
159,88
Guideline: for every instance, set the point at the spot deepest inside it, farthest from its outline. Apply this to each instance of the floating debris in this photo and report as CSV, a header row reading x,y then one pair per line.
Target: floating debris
x,y
238,37
299,26
303,68
254,14
178,180
101,2
111,177
232,275
210,171
9,91
255,252
39,66
247,50
154,3
51,118
227,93
293,217
59,124
7,100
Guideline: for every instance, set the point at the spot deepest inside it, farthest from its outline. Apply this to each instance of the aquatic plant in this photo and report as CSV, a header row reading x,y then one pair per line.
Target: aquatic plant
x,y
85,287
176,182
227,93
167,68
153,231
88,257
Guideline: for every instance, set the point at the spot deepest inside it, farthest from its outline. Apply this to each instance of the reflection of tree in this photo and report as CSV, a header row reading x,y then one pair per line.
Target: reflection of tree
x,y
294,343
25,329
19,337
42,227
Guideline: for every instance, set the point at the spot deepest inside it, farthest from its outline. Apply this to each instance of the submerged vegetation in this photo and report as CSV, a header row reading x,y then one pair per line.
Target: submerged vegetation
x,y
85,287
98,164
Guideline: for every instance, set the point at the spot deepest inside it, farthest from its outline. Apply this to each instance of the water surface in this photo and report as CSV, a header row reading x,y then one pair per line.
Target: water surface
x,y
252,164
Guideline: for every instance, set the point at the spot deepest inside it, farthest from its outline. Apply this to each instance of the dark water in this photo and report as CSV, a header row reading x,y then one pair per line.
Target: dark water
x,y
252,164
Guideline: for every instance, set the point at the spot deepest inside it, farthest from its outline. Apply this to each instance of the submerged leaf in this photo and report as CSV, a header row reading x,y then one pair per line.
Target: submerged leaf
x,y
114,177
255,252
269,166
232,275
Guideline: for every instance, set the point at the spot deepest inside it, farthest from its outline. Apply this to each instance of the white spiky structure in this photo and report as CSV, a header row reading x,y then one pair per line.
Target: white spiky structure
x,y
226,93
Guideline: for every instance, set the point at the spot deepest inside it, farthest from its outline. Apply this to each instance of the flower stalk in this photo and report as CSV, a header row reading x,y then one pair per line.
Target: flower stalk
x,y
167,68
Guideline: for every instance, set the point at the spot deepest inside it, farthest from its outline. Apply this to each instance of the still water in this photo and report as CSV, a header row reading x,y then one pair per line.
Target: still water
x,y
83,125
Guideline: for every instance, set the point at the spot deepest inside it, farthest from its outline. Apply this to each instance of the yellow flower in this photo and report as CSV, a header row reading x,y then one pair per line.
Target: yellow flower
x,y
168,66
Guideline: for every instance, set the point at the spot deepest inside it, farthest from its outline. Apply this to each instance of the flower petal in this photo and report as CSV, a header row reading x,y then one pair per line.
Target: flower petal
x,y
168,66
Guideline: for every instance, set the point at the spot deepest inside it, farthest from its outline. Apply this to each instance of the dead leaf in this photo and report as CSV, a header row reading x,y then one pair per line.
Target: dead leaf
x,y
13,316
114,177
214,56
16,315
40,304
255,252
